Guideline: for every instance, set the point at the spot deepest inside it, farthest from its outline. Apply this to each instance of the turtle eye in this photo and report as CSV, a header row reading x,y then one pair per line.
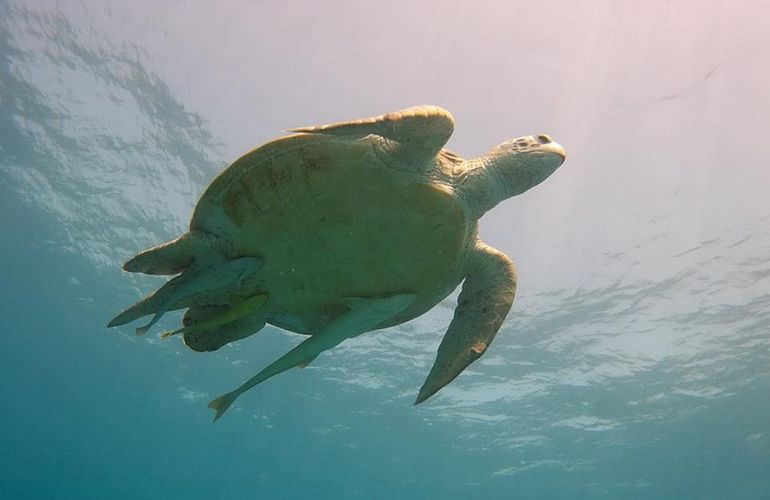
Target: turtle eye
x,y
543,139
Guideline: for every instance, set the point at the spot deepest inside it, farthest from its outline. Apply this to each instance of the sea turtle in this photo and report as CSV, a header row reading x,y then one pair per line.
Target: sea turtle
x,y
341,229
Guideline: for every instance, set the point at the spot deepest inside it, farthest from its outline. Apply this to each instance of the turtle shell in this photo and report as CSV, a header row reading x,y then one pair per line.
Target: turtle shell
x,y
331,218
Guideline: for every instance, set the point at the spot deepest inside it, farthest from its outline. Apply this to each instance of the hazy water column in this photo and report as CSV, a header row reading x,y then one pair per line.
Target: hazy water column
x,y
634,363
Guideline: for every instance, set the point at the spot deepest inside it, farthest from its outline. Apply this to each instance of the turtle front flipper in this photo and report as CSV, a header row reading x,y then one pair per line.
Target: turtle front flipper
x,y
418,133
486,298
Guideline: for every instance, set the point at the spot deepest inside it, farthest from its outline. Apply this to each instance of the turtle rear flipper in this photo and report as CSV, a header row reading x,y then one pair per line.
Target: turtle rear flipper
x,y
209,327
207,340
193,286
171,257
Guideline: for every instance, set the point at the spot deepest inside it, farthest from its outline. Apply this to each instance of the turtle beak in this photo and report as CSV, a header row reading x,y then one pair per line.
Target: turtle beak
x,y
447,367
547,145
557,150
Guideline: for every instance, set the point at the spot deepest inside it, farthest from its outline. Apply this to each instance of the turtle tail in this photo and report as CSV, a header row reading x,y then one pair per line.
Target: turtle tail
x,y
169,258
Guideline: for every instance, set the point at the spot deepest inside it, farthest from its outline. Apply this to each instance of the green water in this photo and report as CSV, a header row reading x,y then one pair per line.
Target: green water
x,y
635,360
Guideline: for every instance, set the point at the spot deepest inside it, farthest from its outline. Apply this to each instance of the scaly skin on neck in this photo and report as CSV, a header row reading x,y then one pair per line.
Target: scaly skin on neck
x,y
506,170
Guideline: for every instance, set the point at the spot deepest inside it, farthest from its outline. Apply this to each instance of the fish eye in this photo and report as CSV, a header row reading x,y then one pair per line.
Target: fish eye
x,y
543,139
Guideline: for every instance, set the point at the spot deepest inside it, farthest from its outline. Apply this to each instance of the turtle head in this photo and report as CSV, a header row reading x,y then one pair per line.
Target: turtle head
x,y
517,165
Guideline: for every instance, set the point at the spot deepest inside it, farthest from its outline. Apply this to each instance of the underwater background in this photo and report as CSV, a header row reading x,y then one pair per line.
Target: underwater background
x,y
635,362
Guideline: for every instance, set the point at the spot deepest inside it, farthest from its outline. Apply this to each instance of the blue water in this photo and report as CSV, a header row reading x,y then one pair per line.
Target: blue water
x,y
635,362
